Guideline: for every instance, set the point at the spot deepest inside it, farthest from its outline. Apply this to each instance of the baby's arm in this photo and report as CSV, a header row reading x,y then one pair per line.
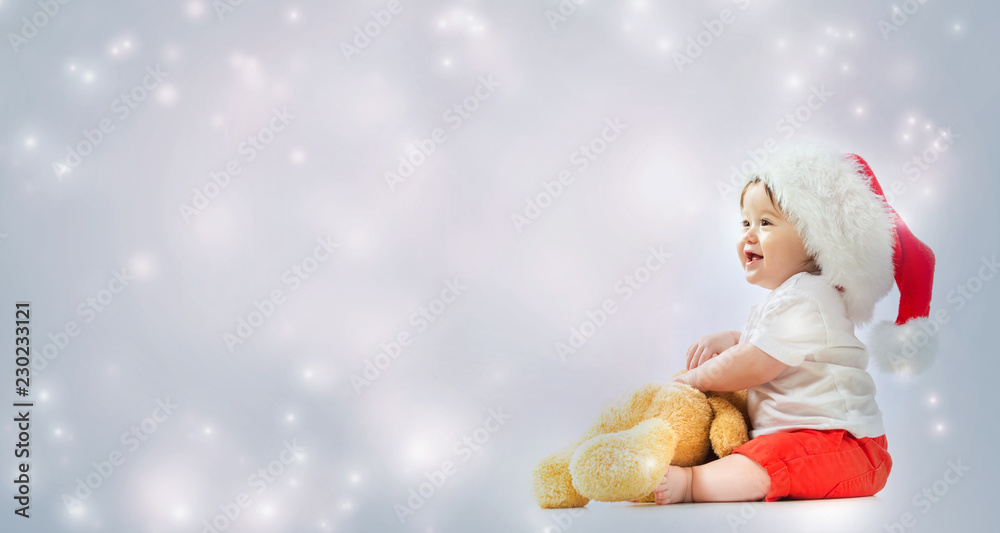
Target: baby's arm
x,y
740,367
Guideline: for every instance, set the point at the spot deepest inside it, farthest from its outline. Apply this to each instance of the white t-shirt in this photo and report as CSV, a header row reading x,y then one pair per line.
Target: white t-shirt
x,y
803,323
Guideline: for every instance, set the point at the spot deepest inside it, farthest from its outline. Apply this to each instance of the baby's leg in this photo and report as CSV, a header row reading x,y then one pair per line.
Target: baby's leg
x,y
734,478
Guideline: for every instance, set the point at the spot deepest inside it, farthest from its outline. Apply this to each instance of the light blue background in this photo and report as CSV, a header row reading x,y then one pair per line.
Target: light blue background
x,y
657,184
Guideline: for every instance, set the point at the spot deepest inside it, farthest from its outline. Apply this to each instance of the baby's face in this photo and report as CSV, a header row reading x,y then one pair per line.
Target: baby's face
x,y
769,248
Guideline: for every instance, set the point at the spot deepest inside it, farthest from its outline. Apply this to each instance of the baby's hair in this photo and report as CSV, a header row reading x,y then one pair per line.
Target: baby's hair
x,y
770,195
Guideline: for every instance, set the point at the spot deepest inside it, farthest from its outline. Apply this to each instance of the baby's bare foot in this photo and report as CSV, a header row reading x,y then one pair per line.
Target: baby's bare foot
x,y
675,487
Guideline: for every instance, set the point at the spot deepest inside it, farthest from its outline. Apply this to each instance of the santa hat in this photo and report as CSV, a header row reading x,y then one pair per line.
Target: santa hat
x,y
860,244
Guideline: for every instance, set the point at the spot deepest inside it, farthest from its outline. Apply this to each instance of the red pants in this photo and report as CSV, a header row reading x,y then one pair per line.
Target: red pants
x,y
808,464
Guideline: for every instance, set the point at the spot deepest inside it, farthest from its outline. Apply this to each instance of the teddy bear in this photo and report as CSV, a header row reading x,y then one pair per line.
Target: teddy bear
x,y
627,450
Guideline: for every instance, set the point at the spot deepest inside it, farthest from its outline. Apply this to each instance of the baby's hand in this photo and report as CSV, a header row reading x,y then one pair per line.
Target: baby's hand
x,y
708,347
689,378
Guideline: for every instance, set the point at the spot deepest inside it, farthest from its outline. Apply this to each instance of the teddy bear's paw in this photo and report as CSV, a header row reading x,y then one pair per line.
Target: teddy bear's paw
x,y
725,440
551,484
728,431
626,465
649,498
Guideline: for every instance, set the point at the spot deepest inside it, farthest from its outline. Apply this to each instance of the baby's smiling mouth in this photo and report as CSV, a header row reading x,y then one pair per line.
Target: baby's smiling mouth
x,y
752,258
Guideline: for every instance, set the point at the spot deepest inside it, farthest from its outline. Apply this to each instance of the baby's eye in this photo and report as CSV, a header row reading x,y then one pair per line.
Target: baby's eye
x,y
746,223
764,222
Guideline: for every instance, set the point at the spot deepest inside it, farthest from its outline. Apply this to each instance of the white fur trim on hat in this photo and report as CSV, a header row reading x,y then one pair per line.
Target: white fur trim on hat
x,y
844,225
904,350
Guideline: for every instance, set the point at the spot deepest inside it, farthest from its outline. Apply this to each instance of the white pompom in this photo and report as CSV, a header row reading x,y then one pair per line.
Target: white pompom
x,y
905,350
